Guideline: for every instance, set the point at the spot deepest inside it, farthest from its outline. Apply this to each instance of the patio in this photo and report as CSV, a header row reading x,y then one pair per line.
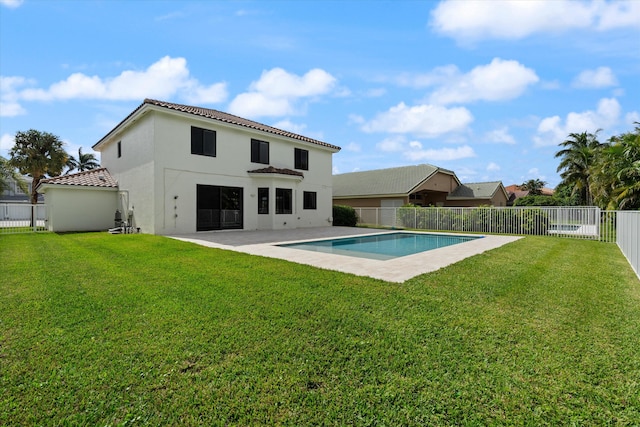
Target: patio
x,y
263,243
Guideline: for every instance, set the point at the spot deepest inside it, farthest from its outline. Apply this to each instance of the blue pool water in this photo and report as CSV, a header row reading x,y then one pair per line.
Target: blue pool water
x,y
382,246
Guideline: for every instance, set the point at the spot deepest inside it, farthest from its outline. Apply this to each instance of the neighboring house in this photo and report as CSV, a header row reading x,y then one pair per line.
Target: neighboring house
x,y
182,169
84,201
515,192
14,194
423,185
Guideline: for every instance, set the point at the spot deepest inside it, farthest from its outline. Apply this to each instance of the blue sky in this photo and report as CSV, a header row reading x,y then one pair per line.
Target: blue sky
x,y
487,89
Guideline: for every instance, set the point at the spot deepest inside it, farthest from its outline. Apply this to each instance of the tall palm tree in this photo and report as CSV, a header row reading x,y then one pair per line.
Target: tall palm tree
x,y
84,162
617,174
37,154
577,157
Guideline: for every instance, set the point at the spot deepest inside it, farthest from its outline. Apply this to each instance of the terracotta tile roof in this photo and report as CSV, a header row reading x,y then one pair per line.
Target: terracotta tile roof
x,y
281,171
93,178
221,117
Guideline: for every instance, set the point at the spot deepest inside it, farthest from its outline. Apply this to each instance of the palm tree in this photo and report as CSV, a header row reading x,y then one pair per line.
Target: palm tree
x,y
533,186
84,162
578,155
7,172
616,180
37,154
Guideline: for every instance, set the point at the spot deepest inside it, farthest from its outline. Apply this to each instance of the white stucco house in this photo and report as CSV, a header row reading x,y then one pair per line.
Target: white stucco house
x,y
180,169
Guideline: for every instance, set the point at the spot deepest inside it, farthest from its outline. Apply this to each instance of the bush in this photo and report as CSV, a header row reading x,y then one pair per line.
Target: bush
x,y
344,216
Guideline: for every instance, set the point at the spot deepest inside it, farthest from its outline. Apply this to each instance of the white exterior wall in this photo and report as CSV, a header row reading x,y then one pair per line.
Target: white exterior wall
x,y
80,209
160,173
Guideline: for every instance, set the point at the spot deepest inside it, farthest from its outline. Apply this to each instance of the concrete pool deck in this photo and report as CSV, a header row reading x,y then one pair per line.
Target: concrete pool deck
x,y
263,243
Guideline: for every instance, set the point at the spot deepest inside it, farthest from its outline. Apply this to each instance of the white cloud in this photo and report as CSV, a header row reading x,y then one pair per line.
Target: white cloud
x,y
472,20
7,141
437,76
164,79
9,106
598,78
11,109
11,4
632,117
391,144
288,125
619,14
497,81
500,136
426,120
277,91
354,147
493,167
441,154
552,130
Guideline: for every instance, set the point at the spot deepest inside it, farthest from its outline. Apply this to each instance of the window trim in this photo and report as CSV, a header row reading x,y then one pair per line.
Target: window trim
x,y
199,138
314,200
283,206
262,209
259,150
301,159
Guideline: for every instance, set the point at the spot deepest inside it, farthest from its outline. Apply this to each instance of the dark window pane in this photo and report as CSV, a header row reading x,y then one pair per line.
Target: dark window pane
x,y
309,200
301,159
263,200
203,141
259,151
284,198
209,143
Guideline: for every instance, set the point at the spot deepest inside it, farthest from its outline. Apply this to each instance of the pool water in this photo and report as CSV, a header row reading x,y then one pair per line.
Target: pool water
x,y
382,246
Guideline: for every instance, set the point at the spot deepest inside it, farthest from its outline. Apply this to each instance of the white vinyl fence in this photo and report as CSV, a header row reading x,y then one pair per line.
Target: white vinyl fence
x,y
16,218
577,222
628,237
620,227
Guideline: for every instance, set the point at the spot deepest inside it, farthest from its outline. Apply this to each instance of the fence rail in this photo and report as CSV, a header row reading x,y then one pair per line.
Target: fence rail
x,y
620,227
576,222
17,218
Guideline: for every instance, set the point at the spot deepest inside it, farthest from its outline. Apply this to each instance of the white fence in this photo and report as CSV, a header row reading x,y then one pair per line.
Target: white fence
x,y
16,218
628,237
621,227
577,222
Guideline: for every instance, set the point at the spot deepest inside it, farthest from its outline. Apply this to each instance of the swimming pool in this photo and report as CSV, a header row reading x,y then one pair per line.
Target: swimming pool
x,y
382,246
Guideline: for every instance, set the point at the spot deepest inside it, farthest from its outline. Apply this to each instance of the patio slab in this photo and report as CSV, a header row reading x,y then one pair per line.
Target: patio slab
x,y
263,243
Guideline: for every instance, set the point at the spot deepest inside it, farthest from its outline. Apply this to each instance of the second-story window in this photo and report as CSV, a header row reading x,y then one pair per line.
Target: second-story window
x,y
119,149
301,159
203,141
259,151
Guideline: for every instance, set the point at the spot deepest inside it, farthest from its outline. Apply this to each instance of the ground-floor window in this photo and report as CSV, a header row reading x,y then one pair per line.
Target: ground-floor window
x,y
263,200
218,208
284,200
309,200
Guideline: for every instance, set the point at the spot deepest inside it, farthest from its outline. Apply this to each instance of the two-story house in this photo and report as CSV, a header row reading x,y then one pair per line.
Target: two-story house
x,y
181,169
188,169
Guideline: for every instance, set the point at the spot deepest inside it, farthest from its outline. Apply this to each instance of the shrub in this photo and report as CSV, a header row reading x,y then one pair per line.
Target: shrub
x,y
344,216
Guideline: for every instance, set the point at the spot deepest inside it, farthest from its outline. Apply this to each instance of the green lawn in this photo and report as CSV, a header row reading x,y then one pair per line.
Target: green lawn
x,y
99,329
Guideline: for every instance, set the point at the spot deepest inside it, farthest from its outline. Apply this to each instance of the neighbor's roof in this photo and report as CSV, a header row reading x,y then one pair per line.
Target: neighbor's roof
x,y
400,180
217,116
93,178
476,190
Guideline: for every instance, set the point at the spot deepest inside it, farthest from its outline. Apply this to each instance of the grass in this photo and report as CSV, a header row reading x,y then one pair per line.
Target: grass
x,y
98,329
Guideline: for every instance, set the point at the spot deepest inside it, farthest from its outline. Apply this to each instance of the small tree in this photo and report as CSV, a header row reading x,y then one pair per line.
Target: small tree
x,y
38,154
534,186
